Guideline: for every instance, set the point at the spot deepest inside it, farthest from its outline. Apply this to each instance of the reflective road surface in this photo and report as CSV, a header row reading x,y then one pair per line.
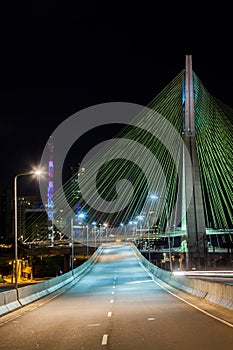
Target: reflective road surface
x,y
116,305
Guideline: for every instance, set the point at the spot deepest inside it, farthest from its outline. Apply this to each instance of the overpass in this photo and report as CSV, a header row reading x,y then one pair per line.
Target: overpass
x,y
121,301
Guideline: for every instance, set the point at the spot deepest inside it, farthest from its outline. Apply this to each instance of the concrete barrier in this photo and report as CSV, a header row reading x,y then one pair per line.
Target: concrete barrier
x,y
217,293
9,300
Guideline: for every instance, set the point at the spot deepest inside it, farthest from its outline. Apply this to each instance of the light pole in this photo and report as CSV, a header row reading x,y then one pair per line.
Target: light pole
x,y
122,228
100,238
87,239
135,223
37,172
72,244
106,231
94,228
169,238
151,212
140,219
167,227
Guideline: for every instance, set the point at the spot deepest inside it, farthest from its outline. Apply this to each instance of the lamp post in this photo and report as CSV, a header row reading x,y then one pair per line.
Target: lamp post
x,y
140,219
135,230
169,238
106,231
37,172
100,237
151,212
167,227
87,239
122,228
94,228
72,244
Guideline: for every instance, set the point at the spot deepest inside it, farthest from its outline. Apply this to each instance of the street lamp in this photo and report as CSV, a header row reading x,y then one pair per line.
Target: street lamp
x,y
106,231
72,244
122,228
100,237
37,172
87,232
167,227
151,212
140,219
135,230
94,225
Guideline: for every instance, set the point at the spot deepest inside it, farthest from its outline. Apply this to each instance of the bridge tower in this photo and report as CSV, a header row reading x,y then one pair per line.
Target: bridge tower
x,y
193,215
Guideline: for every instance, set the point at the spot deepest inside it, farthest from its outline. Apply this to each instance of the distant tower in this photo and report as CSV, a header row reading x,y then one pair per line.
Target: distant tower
x,y
50,192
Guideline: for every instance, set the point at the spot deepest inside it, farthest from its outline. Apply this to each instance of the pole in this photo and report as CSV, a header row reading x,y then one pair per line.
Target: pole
x,y
72,245
87,240
149,240
16,234
95,237
37,172
169,241
100,238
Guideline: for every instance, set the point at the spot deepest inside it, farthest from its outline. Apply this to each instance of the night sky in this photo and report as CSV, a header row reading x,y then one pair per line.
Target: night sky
x,y
57,60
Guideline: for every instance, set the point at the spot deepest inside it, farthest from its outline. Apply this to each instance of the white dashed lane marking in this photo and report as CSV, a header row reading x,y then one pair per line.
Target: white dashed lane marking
x,y
105,339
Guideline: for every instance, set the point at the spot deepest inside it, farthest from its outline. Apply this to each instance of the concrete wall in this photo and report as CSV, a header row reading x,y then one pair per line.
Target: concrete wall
x,y
8,301
216,293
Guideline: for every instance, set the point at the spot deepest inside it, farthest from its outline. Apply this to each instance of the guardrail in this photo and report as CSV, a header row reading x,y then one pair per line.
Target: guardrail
x,y
220,294
11,300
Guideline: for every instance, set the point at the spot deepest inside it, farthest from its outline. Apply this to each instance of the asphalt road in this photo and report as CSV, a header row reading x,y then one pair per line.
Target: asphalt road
x,y
118,306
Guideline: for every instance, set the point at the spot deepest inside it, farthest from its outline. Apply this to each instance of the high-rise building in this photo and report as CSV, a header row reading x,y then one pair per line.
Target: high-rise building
x,y
24,203
6,216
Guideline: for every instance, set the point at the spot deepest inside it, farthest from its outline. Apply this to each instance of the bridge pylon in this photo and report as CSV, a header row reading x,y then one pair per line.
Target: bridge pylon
x,y
193,215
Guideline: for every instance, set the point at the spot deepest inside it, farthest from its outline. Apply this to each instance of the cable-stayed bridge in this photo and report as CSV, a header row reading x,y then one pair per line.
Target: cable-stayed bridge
x,y
179,161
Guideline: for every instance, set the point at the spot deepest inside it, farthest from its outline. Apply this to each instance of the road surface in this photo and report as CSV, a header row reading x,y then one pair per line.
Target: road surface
x,y
118,305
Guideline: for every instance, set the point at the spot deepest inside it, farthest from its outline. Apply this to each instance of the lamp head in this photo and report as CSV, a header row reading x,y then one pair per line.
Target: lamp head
x,y
153,196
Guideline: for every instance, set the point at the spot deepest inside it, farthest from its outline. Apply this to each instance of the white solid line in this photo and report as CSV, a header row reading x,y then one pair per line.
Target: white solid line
x,y
146,281
33,308
185,301
10,320
105,339
109,313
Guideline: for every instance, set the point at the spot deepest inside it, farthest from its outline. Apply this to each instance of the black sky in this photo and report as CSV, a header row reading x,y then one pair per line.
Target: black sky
x,y
56,60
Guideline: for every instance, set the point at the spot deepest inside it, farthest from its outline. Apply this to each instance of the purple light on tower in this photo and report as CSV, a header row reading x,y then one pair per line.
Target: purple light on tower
x,y
51,168
50,189
50,195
